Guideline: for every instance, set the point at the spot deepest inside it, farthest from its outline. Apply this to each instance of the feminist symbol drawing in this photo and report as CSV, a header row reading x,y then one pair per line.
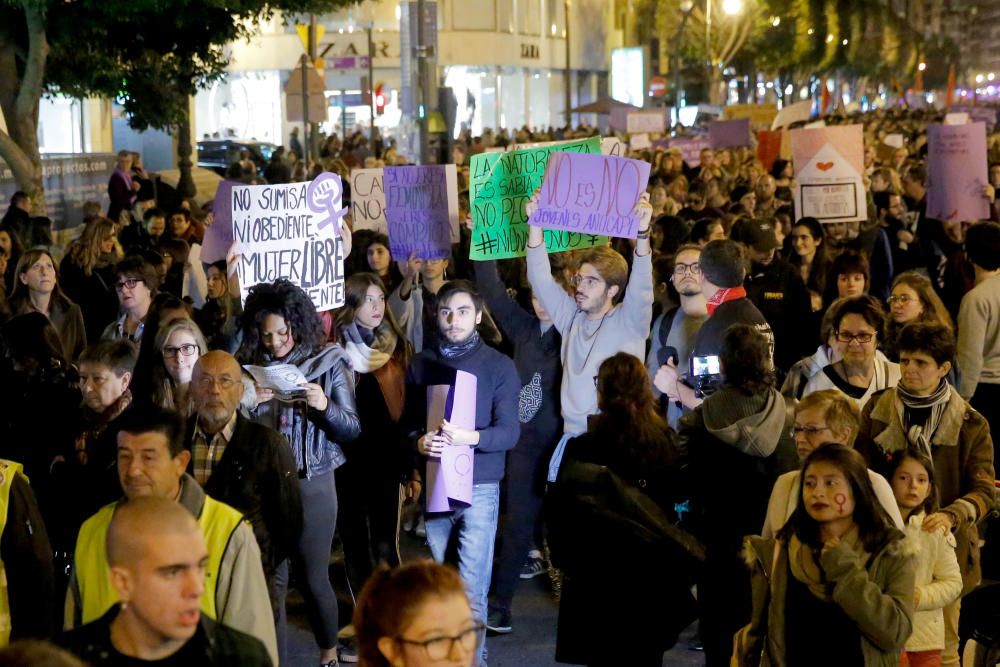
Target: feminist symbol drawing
x,y
841,500
322,196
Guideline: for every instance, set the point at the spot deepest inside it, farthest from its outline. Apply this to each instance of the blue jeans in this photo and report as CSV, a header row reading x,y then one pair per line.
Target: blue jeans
x,y
477,529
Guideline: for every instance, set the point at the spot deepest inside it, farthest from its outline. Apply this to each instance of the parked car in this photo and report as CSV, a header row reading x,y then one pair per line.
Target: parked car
x,y
218,154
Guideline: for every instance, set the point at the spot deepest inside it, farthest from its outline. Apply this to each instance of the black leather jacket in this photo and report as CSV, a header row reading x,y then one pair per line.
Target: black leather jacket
x,y
314,435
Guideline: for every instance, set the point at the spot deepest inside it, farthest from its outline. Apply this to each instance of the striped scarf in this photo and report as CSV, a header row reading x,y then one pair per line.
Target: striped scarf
x,y
920,436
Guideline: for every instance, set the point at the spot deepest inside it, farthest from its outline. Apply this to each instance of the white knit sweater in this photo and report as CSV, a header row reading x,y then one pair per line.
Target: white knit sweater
x,y
939,583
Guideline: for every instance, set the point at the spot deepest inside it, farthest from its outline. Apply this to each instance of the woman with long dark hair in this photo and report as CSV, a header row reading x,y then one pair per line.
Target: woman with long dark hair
x,y
835,588
88,275
379,258
650,596
281,326
809,256
36,289
368,484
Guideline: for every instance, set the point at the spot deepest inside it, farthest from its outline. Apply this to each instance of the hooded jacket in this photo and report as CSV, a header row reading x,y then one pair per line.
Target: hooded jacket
x,y
736,445
312,434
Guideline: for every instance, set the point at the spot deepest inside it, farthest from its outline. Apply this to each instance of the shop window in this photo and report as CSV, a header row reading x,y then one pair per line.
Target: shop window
x,y
555,19
505,15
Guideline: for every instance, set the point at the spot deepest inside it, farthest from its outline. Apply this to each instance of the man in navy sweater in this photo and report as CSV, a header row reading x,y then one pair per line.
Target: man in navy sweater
x,y
459,348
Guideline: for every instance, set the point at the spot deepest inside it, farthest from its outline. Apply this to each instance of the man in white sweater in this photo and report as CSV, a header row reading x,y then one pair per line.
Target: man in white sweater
x,y
610,313
979,325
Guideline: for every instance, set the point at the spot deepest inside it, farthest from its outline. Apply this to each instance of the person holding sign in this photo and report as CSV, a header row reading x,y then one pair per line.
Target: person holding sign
x,y
281,326
611,312
460,348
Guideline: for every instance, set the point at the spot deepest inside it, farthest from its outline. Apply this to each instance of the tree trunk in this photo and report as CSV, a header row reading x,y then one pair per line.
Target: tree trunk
x,y
185,183
19,101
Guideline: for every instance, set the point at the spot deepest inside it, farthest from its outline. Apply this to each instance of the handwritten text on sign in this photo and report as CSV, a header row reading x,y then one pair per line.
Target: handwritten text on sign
x,y
419,208
593,194
501,184
368,200
281,234
957,172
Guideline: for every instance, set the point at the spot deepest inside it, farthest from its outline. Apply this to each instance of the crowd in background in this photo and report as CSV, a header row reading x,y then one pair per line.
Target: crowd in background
x,y
734,371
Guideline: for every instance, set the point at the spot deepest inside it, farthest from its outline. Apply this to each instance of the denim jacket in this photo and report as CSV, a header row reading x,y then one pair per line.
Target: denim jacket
x,y
314,435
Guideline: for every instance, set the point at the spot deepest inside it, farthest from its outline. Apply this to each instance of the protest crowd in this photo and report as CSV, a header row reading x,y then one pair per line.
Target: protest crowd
x,y
744,380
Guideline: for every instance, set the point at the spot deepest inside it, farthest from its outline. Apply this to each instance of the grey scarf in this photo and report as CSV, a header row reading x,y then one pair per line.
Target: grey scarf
x,y
920,436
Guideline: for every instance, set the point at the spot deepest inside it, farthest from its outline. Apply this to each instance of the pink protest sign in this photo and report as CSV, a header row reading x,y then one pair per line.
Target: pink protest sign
x,y
449,478
592,194
957,172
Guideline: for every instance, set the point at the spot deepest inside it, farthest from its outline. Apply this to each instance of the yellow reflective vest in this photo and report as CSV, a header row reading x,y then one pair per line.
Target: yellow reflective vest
x,y
8,469
218,521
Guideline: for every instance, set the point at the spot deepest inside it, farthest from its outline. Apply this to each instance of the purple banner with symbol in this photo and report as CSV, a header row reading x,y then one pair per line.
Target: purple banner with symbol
x,y
591,194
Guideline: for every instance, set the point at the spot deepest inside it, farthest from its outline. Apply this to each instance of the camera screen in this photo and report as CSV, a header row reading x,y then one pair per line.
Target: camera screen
x,y
708,365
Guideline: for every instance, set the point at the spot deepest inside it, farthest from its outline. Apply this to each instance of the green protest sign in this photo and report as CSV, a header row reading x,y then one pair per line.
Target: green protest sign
x,y
501,184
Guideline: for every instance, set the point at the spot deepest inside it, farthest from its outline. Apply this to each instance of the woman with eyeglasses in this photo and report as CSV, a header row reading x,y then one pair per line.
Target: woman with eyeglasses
x,y
416,615
862,370
179,343
821,418
135,283
281,326
36,289
925,413
913,299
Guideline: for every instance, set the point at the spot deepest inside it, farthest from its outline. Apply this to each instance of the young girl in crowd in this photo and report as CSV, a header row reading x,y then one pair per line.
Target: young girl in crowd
x,y
836,587
913,299
417,615
939,581
178,345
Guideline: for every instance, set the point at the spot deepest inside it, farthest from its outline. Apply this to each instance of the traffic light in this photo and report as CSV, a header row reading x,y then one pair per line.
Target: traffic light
x,y
380,99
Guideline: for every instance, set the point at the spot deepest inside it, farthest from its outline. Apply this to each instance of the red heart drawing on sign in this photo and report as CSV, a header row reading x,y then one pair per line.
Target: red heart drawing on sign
x,y
824,166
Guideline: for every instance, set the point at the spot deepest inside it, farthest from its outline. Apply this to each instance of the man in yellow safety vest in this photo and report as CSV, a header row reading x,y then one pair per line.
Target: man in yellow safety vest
x,y
151,462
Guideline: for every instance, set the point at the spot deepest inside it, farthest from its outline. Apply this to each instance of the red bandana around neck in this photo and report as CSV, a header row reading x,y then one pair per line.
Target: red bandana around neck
x,y
724,295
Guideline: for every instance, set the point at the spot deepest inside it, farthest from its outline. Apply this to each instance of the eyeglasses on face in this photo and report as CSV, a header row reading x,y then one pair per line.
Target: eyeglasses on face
x,y
225,382
440,648
129,283
187,349
862,338
586,281
901,299
681,269
809,431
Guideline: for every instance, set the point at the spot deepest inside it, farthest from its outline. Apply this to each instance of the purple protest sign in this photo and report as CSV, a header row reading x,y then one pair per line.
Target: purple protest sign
x,y
957,172
691,148
219,235
729,133
449,477
324,196
420,210
591,194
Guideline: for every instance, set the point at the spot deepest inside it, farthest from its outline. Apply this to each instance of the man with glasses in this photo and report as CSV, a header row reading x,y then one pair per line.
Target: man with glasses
x,y
136,283
674,331
821,418
610,313
151,462
246,465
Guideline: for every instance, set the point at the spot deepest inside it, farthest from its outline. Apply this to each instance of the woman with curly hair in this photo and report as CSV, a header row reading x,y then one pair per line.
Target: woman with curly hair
x,y
88,275
416,615
377,462
281,326
36,289
912,299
